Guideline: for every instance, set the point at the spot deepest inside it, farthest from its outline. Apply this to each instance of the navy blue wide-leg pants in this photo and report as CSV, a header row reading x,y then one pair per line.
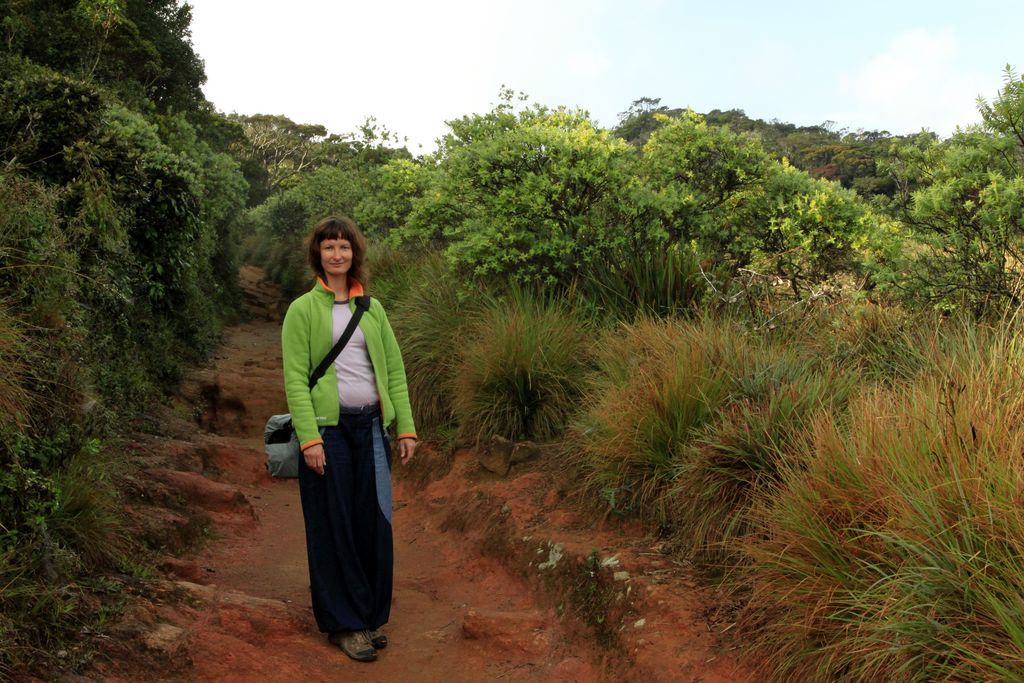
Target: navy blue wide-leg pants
x,y
347,512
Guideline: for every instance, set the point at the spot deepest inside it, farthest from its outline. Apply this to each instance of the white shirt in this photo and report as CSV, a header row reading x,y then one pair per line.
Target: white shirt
x,y
356,382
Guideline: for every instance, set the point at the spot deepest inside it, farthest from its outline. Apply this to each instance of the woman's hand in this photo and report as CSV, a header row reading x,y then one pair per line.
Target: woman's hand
x,y
406,448
315,457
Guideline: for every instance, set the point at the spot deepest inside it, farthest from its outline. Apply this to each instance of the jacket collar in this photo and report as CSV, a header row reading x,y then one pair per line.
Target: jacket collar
x,y
355,288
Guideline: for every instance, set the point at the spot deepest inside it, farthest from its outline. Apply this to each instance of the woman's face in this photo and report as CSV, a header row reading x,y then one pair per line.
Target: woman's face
x,y
336,256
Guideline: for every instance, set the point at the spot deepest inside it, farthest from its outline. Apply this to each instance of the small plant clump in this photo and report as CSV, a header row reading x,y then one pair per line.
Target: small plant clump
x,y
521,370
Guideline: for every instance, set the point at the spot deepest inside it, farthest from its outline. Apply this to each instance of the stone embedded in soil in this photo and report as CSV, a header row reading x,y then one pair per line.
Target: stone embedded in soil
x,y
235,464
207,494
563,519
431,463
184,569
163,528
248,617
496,455
138,620
499,454
524,451
573,670
551,499
166,639
512,633
158,451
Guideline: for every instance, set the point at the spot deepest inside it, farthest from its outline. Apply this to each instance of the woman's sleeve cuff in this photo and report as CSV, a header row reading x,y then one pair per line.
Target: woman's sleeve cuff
x,y
407,435
310,443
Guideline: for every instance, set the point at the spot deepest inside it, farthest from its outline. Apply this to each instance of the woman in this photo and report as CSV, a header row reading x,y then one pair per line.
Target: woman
x,y
345,473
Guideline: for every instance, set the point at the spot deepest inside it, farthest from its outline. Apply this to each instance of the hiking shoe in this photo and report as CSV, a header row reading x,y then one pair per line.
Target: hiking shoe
x,y
355,644
377,639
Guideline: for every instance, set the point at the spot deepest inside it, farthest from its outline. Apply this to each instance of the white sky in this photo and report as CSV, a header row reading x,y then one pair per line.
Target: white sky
x,y
897,66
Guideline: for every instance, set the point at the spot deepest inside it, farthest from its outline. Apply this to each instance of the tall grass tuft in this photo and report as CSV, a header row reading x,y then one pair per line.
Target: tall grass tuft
x,y
687,422
883,343
430,321
393,272
60,534
896,552
86,516
658,384
646,282
522,368
757,430
15,398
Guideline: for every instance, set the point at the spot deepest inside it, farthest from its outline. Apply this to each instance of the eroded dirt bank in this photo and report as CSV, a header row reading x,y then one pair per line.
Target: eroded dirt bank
x,y
498,578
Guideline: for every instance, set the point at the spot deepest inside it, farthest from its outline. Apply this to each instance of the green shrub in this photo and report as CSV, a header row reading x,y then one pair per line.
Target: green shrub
x,y
71,109
391,190
287,265
962,201
720,190
895,552
117,256
521,368
807,230
37,267
700,181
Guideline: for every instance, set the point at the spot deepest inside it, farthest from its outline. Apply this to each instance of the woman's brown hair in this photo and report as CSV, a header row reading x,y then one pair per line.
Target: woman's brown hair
x,y
340,227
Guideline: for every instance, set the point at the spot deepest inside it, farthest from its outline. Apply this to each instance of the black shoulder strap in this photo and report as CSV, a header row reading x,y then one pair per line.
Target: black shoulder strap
x,y
362,305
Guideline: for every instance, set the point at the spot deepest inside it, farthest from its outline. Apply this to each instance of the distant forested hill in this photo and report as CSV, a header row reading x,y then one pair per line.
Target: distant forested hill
x,y
825,150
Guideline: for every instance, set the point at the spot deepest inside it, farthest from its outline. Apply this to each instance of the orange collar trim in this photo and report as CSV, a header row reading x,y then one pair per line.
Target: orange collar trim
x,y
355,287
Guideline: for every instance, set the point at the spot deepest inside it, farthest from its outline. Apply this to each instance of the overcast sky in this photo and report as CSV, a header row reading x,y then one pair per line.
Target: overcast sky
x,y
895,65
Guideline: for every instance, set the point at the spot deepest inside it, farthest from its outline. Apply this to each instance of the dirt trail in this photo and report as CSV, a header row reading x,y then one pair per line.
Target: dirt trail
x,y
497,578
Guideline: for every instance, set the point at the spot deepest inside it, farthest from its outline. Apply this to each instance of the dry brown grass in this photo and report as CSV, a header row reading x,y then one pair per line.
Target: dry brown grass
x,y
15,397
896,552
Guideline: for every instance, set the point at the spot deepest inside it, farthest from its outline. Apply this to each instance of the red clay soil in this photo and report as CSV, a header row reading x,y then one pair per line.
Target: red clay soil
x,y
496,578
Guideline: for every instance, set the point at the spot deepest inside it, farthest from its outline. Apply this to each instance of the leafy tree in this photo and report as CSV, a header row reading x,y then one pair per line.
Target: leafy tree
x,y
809,229
699,178
141,49
1005,116
177,73
528,196
280,146
968,217
962,201
722,191
392,188
278,153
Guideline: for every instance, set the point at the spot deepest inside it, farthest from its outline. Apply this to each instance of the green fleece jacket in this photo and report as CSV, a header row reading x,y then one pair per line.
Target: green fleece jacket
x,y
306,339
